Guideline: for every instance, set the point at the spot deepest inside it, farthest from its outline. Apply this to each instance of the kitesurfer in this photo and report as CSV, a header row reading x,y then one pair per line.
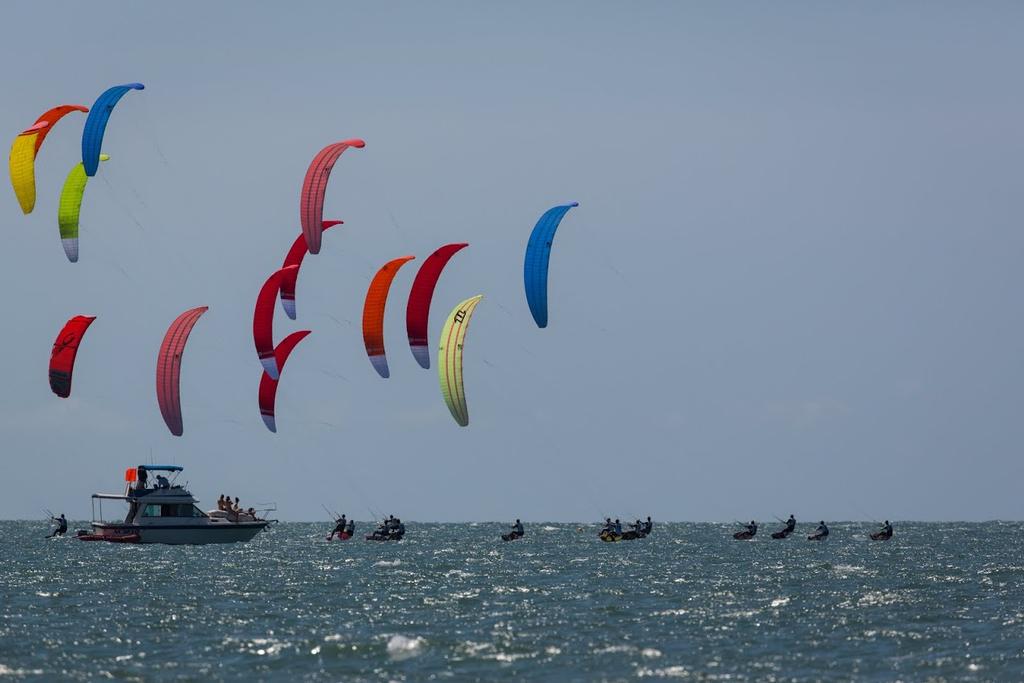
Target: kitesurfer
x,y
752,528
884,533
820,533
648,526
339,528
517,529
351,528
786,530
62,526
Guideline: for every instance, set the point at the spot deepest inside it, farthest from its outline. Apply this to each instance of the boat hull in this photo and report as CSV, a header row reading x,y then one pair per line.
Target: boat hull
x,y
184,534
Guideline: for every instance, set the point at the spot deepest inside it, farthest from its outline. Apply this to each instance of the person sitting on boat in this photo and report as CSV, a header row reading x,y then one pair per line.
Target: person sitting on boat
x,y
822,530
161,482
608,526
252,513
339,528
517,529
220,502
62,526
618,527
637,527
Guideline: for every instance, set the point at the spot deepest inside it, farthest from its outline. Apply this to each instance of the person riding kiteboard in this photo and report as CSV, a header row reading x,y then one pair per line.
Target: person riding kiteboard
x,y
342,529
62,526
820,534
883,534
517,531
788,529
748,533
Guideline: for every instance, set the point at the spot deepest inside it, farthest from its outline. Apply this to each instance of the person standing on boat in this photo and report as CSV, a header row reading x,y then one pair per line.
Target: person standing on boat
x,y
62,526
143,477
339,528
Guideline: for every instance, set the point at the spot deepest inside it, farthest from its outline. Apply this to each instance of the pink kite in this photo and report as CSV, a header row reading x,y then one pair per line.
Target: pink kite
x,y
168,368
311,202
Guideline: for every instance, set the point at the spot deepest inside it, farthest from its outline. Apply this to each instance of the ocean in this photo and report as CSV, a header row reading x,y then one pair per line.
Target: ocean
x,y
939,602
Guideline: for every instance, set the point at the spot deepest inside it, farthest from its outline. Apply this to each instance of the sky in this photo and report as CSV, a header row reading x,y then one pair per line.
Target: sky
x,y
791,286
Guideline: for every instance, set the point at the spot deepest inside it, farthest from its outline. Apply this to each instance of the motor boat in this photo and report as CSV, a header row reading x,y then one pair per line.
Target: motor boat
x,y
162,511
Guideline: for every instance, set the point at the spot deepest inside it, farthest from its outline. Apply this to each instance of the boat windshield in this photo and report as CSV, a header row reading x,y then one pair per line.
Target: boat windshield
x,y
172,510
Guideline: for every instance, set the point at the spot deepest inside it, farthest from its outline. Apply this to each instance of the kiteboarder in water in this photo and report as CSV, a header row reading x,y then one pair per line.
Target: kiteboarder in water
x,y
340,528
820,533
883,534
62,526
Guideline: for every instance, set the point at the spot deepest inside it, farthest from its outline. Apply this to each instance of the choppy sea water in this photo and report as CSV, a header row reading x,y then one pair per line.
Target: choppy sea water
x,y
451,601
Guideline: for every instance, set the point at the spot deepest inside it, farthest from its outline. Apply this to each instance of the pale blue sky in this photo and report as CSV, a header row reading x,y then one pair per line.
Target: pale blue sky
x,y
792,284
